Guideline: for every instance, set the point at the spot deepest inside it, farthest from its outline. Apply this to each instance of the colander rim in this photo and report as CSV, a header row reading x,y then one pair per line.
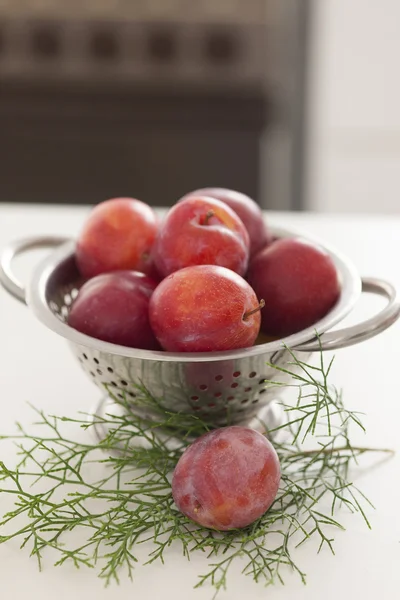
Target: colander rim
x,y
350,292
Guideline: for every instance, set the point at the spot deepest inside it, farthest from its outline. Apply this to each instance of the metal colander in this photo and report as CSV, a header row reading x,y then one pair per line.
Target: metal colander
x,y
211,385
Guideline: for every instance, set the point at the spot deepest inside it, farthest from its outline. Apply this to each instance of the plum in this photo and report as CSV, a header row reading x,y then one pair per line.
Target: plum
x,y
204,308
118,235
298,282
227,478
246,209
114,307
201,231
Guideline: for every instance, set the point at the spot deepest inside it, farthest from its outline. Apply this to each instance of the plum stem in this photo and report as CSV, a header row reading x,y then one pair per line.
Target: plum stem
x,y
209,214
251,312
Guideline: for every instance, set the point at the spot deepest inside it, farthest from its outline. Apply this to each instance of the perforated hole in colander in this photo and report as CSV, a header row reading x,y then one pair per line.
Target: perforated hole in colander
x,y
221,392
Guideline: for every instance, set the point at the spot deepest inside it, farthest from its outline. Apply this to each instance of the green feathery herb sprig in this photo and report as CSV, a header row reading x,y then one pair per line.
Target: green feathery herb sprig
x,y
56,492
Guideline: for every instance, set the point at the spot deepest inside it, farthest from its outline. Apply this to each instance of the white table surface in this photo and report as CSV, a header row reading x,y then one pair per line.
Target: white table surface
x,y
367,563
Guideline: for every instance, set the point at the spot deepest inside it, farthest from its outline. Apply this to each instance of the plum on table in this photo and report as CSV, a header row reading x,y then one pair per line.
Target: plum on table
x,y
227,478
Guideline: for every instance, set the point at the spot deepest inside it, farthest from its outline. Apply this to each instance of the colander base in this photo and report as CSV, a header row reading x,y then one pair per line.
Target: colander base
x,y
104,411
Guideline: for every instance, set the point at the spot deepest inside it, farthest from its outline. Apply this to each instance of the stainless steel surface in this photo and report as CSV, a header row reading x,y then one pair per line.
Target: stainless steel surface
x,y
7,277
269,418
367,329
232,385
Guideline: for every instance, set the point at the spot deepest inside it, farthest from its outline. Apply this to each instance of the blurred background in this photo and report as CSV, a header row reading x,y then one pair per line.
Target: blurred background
x,y
294,102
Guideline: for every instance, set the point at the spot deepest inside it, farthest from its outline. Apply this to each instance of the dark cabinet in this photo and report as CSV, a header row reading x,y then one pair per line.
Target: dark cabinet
x,y
87,144
207,94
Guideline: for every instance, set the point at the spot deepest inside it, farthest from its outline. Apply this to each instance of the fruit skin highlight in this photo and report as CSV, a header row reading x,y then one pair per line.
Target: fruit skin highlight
x,y
227,478
298,282
118,235
204,308
201,231
114,307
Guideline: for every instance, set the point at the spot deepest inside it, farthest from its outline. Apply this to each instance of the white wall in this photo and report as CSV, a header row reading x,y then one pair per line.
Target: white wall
x,y
354,110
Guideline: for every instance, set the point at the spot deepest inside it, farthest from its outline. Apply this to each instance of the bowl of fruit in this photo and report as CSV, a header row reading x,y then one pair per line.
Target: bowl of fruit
x,y
202,308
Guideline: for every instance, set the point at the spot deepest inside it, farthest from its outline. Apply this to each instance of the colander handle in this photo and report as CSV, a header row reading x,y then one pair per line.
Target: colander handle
x,y
8,279
364,330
